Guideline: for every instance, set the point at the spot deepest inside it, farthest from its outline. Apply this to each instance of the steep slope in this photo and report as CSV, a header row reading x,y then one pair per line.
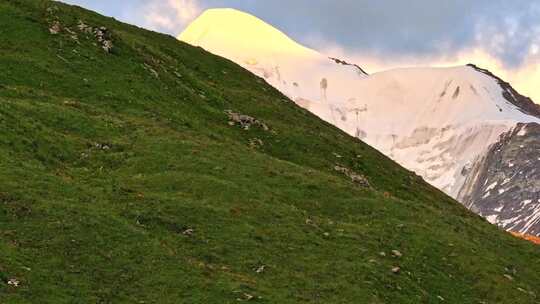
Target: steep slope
x,y
505,184
438,122
123,180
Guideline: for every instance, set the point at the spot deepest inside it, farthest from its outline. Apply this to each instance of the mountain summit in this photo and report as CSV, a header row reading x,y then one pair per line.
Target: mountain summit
x,y
439,122
232,30
268,52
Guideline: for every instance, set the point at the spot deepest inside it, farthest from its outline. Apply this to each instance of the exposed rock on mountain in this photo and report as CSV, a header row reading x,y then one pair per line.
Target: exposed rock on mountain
x,y
504,186
343,62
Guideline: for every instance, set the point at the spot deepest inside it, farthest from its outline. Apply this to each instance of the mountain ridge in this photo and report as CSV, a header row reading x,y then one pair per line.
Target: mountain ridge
x,y
524,103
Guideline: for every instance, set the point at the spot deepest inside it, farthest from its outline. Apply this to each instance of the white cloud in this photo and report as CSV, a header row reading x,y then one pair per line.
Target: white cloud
x,y
534,50
170,16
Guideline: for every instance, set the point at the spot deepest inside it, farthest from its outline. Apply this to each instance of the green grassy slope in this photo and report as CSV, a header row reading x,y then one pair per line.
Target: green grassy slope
x,y
122,181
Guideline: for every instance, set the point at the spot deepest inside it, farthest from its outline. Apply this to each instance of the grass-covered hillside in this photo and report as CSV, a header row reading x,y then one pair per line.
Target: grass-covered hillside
x,y
124,180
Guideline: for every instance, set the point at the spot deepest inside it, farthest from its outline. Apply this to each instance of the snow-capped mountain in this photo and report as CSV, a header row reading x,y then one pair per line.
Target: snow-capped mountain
x,y
447,124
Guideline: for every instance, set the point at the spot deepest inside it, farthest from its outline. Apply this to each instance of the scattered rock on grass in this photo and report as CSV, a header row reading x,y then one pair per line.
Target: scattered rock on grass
x,y
188,232
244,121
55,28
396,253
13,282
355,177
107,46
396,270
260,269
246,297
101,146
104,36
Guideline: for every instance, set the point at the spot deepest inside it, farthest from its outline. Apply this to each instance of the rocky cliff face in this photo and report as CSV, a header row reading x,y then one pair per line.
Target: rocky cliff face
x,y
504,185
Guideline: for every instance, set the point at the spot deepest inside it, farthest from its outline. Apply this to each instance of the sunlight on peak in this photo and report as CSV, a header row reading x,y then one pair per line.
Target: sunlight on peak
x,y
248,40
231,30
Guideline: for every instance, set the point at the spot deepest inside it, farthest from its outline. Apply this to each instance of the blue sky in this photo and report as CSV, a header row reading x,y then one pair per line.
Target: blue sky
x,y
503,35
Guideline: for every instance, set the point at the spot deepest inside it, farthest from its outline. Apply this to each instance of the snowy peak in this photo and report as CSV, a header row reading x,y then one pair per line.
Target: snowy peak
x,y
439,96
233,32
256,45
295,70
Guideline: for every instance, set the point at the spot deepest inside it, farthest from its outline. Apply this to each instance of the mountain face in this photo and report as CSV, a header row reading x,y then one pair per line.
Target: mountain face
x,y
438,122
504,185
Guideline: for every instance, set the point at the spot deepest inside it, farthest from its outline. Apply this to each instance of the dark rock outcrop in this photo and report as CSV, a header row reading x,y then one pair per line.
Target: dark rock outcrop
x,y
504,186
343,62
